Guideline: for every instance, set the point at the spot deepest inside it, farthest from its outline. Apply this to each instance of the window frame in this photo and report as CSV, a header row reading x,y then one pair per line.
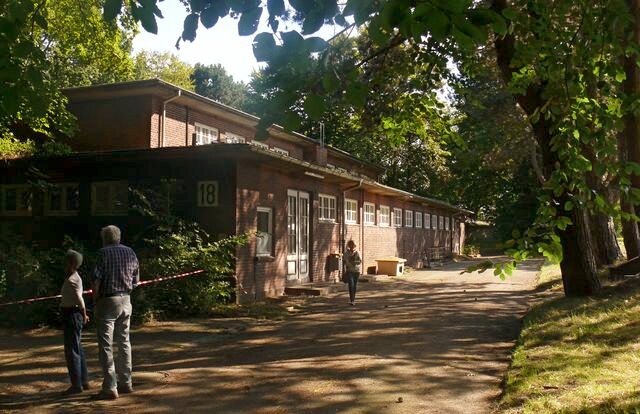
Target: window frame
x,y
447,225
64,187
434,222
364,214
322,208
408,218
111,211
347,211
259,144
440,222
20,188
388,216
279,150
396,217
237,138
270,232
211,130
415,220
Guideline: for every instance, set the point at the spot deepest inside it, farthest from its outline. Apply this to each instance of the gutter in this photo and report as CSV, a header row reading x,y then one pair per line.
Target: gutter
x,y
164,116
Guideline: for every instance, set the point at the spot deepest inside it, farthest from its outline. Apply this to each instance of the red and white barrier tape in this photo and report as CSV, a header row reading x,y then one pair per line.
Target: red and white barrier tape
x,y
90,291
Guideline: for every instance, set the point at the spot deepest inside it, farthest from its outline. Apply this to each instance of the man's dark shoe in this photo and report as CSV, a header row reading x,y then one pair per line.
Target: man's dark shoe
x,y
72,391
86,386
105,395
125,389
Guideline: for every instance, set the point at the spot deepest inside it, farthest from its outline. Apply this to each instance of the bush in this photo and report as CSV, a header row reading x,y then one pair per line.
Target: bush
x,y
173,246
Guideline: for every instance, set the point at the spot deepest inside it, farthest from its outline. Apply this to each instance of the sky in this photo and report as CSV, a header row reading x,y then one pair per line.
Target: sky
x,y
220,44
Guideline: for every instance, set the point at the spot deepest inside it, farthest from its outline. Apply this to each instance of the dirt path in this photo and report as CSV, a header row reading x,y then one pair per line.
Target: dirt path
x,y
431,342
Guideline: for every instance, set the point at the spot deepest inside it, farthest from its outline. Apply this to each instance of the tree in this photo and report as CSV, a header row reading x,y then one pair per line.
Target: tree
x,y
546,54
45,46
214,82
165,66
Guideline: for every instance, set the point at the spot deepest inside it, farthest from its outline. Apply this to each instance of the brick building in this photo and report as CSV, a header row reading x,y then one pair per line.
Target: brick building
x,y
300,201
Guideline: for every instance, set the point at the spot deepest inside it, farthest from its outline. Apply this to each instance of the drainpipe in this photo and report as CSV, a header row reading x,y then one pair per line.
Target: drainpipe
x,y
343,225
164,115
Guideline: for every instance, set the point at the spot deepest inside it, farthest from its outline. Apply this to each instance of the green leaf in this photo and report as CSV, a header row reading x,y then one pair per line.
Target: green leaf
x,y
330,81
190,27
510,13
312,22
248,23
275,7
292,40
315,44
356,94
314,106
291,121
568,206
620,76
209,17
438,24
112,9
455,6
264,46
563,222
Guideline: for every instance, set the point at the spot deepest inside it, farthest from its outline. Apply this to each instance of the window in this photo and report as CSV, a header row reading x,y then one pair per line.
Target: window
x,y
397,217
62,199
427,221
350,211
441,223
259,144
385,216
418,219
231,138
446,223
264,232
280,151
205,134
16,200
327,207
369,214
434,222
408,218
109,198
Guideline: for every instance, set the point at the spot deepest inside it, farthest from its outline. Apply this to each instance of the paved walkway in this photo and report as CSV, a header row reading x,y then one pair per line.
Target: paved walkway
x,y
430,342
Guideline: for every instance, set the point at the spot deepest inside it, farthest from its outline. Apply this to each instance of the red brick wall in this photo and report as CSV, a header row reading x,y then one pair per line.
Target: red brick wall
x,y
112,124
180,127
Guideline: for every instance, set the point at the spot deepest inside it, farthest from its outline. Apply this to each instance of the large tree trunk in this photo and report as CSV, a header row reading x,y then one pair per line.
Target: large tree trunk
x,y
629,141
605,242
579,272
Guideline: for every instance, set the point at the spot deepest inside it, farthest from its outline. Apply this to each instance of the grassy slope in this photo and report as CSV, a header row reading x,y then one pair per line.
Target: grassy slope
x,y
578,355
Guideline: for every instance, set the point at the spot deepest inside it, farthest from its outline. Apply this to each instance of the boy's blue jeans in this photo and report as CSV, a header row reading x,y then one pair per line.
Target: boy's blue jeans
x,y
73,351
352,281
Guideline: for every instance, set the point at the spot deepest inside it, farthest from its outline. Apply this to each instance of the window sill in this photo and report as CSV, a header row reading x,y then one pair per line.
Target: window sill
x,y
264,258
326,221
353,223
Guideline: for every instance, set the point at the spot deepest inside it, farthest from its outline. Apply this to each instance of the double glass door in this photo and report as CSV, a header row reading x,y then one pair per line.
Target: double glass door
x,y
297,236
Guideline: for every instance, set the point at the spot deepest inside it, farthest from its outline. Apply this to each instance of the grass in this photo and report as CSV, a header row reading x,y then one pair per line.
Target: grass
x,y
577,355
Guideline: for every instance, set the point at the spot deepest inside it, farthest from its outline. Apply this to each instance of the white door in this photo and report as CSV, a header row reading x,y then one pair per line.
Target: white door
x,y
297,236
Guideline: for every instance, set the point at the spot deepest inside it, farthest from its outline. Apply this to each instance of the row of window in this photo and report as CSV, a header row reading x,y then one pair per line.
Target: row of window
x,y
63,199
385,217
108,198
208,135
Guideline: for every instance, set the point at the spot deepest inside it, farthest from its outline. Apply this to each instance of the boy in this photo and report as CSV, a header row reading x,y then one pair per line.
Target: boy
x,y
74,316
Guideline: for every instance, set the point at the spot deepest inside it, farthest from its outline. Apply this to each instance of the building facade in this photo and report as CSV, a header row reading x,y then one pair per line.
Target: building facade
x,y
298,201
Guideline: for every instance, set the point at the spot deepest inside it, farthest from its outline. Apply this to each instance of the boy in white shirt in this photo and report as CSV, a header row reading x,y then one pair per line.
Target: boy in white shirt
x,y
74,315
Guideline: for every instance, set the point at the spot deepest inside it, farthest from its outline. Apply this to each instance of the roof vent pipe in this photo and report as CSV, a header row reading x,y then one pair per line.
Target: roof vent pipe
x,y
321,134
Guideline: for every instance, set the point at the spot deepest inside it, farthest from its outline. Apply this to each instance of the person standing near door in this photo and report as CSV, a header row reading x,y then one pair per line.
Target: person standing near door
x,y
351,270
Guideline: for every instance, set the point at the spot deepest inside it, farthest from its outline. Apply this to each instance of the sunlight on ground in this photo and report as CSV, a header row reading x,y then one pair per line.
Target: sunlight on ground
x,y
578,355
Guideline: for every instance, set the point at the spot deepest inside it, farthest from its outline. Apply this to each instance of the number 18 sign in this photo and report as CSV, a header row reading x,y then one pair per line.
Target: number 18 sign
x,y
207,193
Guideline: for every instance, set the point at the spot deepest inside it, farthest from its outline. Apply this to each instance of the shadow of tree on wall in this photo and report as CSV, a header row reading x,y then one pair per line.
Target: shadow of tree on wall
x,y
433,344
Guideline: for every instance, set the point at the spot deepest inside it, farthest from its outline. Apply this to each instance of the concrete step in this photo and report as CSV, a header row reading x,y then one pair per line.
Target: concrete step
x,y
315,289
375,278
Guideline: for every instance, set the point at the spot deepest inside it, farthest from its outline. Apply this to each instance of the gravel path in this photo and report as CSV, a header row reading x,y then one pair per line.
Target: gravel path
x,y
429,342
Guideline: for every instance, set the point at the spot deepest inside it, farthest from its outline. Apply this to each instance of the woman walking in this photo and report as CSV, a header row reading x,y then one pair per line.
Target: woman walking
x,y
74,315
352,270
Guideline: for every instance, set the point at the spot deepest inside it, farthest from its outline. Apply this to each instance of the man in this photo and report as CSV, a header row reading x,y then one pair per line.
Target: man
x,y
116,274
